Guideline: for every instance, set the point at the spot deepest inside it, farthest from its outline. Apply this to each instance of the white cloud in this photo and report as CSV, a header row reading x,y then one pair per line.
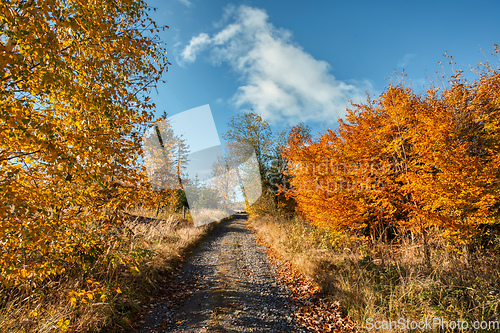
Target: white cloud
x,y
196,45
406,59
279,79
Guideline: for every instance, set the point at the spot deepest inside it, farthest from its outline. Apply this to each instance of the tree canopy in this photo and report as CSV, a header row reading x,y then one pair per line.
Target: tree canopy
x,y
74,79
416,160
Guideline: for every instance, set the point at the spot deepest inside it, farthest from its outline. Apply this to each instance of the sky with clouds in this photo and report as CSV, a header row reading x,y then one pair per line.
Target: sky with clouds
x,y
298,61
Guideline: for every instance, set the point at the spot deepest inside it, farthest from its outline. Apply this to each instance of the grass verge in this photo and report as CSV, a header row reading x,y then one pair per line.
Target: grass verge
x,y
382,282
109,293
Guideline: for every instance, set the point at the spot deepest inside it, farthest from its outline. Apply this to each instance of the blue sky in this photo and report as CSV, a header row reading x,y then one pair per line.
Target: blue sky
x,y
296,61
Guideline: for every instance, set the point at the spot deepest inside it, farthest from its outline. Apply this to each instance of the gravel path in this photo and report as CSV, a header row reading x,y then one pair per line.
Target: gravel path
x,y
231,287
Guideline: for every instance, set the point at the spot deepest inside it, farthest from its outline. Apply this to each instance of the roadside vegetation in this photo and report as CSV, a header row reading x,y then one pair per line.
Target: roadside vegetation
x,y
110,293
396,212
385,281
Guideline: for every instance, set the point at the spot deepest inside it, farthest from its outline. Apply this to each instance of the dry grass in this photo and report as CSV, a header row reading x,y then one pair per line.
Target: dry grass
x,y
154,246
206,215
383,281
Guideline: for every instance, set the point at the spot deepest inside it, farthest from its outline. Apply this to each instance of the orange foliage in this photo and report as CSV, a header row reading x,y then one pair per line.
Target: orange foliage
x,y
406,159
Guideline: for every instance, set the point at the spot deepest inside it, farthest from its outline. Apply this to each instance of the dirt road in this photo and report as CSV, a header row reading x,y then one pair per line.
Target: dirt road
x,y
227,286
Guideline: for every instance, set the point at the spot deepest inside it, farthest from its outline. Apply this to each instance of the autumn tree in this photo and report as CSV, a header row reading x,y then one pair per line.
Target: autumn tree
x,y
225,180
74,79
165,158
248,132
426,161
249,129
276,172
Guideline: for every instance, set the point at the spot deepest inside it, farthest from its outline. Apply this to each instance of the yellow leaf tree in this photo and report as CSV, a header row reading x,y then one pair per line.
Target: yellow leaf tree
x,y
74,79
